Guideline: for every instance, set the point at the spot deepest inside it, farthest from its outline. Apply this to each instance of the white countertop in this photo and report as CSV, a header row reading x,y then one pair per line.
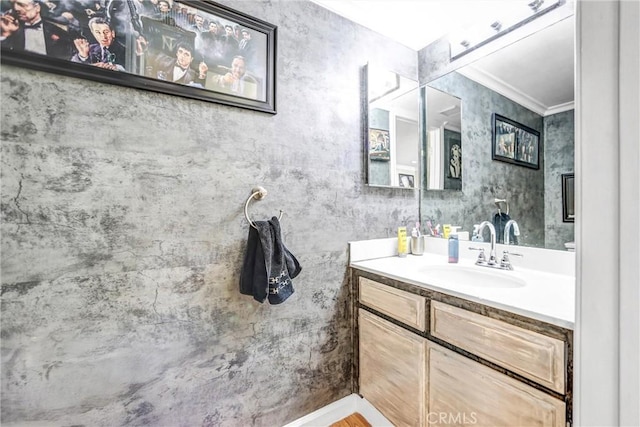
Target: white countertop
x,y
549,297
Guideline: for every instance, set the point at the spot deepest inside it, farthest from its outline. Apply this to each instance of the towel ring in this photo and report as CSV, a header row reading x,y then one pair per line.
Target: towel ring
x,y
257,193
498,201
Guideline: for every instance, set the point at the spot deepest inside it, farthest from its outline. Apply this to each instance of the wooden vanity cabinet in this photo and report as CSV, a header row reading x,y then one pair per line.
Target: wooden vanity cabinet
x,y
458,365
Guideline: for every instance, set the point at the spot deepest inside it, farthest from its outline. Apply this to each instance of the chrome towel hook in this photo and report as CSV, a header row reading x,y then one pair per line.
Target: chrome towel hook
x,y
257,193
498,202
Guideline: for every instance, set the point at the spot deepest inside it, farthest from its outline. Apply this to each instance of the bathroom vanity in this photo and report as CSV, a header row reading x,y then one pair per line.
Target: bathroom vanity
x,y
433,352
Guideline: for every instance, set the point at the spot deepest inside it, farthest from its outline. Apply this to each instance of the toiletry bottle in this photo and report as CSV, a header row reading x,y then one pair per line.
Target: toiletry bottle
x,y
402,242
417,242
477,237
453,248
446,229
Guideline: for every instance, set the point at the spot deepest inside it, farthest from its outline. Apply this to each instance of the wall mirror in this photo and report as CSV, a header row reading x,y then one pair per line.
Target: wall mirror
x,y
443,161
391,136
531,82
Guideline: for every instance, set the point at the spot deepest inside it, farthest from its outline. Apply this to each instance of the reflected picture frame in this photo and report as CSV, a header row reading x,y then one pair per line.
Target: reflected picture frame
x,y
514,143
568,197
379,145
406,180
239,65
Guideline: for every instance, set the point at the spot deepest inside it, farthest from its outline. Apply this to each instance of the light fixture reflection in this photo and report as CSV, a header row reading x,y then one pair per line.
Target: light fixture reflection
x,y
511,15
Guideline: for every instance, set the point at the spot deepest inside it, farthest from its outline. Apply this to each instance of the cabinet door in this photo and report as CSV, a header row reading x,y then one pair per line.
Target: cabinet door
x,y
392,370
464,392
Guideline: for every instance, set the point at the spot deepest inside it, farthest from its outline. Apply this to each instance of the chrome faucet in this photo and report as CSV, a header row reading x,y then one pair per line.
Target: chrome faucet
x,y
507,228
492,254
505,263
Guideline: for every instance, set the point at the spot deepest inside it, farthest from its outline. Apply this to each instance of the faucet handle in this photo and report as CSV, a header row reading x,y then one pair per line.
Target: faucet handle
x,y
506,253
505,263
482,259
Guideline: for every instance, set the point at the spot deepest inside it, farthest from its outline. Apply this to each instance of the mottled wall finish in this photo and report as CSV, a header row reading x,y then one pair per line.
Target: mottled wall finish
x,y
435,61
558,159
123,234
485,179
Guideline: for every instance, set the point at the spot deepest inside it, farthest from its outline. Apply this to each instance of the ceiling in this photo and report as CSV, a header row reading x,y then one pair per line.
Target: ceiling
x,y
537,71
414,23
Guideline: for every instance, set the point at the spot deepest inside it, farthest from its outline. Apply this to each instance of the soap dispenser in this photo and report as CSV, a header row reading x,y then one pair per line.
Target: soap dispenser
x,y
477,237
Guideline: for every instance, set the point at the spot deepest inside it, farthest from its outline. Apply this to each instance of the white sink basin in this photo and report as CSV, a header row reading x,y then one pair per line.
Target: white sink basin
x,y
471,277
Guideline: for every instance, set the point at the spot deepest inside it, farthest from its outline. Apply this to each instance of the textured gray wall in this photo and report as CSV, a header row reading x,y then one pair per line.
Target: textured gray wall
x,y
558,159
485,179
434,61
123,234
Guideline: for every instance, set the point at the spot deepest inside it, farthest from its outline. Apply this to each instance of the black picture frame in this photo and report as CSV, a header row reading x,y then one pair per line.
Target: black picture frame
x,y
406,180
514,143
568,197
453,154
146,63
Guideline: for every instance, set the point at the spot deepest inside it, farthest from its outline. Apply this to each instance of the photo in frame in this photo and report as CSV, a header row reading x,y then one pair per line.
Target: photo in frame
x,y
568,197
515,143
195,49
379,148
453,160
406,180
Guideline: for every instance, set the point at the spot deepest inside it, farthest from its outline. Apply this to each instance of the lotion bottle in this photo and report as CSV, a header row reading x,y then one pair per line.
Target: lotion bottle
x,y
402,242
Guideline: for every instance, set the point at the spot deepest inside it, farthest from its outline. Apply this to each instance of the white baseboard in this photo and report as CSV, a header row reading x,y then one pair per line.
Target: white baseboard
x,y
340,409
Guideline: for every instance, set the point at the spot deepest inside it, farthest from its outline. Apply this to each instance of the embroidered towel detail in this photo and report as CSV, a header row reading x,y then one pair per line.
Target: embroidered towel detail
x,y
268,265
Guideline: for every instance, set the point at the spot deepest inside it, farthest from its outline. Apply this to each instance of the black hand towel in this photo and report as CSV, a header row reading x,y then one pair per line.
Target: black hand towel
x,y
499,222
268,265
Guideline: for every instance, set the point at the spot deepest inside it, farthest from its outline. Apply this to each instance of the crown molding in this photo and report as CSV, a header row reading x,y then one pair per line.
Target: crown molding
x,y
561,108
499,86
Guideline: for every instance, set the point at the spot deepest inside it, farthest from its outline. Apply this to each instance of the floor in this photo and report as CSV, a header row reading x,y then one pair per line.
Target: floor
x,y
354,420
341,409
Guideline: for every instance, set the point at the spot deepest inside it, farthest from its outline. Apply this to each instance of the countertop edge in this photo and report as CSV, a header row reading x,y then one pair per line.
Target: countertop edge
x,y
561,322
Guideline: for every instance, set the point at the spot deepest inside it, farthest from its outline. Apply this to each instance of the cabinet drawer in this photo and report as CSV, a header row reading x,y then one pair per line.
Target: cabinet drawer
x,y
535,356
468,393
400,305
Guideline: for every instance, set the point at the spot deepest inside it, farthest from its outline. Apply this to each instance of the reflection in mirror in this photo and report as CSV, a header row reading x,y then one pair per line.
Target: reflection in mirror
x,y
443,165
529,82
392,139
